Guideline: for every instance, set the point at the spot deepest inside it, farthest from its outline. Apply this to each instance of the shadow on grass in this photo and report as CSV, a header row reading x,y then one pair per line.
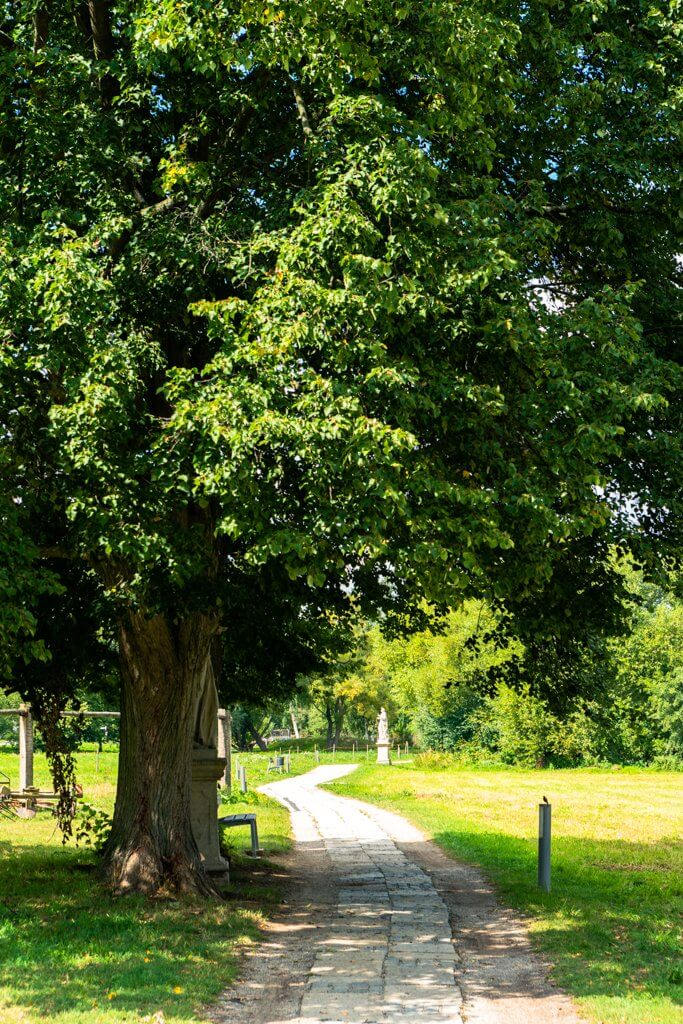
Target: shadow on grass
x,y
67,946
609,924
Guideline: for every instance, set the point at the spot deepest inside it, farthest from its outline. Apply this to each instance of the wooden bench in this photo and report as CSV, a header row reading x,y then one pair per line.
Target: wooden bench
x,y
232,820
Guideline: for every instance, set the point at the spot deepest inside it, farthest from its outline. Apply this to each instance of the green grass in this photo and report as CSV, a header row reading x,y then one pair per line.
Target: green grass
x,y
72,954
611,925
300,761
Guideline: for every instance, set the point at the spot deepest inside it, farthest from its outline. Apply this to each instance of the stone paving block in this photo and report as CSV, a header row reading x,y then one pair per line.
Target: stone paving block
x,y
388,957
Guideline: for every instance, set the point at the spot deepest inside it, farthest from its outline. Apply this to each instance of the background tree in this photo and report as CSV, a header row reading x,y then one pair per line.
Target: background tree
x,y
382,297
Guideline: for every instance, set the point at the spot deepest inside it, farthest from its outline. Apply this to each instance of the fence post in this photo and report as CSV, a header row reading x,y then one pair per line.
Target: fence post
x,y
243,779
25,747
544,827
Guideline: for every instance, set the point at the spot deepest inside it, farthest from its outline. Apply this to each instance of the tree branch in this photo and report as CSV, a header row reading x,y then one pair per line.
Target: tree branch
x,y
55,552
41,24
303,113
103,41
239,126
103,45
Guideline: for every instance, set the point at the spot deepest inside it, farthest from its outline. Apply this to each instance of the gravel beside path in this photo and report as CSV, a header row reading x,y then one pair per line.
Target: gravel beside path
x,y
381,927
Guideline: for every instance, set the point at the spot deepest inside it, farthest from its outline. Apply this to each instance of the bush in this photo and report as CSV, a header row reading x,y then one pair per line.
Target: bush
x,y
433,761
450,731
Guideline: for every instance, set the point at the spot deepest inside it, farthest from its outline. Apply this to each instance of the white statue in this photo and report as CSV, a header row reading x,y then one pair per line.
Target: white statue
x,y
382,727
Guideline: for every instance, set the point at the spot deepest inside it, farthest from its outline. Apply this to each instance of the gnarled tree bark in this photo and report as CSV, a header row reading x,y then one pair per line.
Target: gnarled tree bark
x,y
151,846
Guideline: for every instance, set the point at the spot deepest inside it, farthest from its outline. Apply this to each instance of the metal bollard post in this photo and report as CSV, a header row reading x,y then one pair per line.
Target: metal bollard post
x,y
256,850
243,779
544,829
288,766
367,752
317,756
334,750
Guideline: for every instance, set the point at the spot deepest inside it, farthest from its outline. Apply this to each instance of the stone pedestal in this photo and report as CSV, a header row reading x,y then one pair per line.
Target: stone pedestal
x,y
207,769
383,755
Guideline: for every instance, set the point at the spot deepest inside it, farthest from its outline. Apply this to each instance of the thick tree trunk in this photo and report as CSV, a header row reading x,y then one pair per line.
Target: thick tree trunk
x,y
151,846
339,709
329,737
256,735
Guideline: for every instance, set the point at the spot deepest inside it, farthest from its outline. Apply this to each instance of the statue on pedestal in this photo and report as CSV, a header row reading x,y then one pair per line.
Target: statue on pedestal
x,y
383,742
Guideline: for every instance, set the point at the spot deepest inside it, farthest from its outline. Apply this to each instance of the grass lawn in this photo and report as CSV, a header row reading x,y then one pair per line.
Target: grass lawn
x,y
302,760
612,924
72,954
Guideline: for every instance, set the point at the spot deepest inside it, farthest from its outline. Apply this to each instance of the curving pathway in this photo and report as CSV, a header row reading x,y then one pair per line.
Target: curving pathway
x,y
382,928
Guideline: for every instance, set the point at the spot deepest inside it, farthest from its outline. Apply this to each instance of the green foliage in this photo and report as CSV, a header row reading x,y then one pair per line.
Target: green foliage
x,y
93,826
315,300
467,689
432,761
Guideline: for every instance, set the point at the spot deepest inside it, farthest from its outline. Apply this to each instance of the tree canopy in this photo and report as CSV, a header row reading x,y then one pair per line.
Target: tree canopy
x,y
371,298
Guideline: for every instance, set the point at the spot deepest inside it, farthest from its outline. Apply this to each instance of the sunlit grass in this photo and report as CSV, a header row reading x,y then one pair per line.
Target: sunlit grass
x,y
611,925
72,954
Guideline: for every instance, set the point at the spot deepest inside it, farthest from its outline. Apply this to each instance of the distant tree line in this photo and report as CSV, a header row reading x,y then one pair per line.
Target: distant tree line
x,y
465,687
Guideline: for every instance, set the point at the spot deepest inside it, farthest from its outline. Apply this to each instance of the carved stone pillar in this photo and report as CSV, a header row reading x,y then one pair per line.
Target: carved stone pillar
x,y
207,769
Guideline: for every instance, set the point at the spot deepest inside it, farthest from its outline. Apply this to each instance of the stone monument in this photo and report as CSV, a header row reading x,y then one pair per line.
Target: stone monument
x,y
383,743
225,746
207,769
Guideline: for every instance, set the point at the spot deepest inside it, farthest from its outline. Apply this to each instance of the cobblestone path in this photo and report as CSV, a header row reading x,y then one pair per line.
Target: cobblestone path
x,y
379,926
387,956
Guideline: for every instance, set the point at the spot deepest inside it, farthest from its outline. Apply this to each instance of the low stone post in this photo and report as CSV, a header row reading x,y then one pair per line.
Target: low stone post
x,y
225,745
25,747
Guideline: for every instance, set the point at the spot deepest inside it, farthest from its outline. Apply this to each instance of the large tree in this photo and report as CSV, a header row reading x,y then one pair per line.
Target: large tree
x,y
377,297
